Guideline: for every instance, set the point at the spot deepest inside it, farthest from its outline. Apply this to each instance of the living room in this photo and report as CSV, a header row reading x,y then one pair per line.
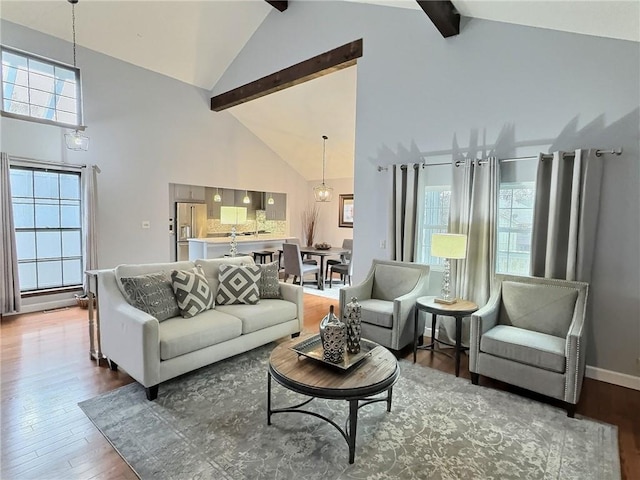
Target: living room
x,y
416,92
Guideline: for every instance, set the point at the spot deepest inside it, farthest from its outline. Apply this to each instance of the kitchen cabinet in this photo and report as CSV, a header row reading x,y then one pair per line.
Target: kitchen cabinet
x,y
189,193
277,211
213,207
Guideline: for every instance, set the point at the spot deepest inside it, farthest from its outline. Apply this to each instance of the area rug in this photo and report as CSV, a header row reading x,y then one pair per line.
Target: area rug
x,y
211,424
332,293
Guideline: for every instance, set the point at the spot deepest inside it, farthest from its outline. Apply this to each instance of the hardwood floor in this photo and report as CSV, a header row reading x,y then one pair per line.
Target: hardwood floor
x,y
46,371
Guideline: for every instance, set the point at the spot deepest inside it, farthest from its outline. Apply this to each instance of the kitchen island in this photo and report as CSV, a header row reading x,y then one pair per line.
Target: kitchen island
x,y
219,246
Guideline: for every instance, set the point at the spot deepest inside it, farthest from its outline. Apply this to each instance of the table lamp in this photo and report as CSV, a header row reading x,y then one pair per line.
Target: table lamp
x,y
233,216
448,246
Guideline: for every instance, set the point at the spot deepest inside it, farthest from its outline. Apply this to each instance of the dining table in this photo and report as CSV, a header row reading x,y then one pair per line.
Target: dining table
x,y
322,253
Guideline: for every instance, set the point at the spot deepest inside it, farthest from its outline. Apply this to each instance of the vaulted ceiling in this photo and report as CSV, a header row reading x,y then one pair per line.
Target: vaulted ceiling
x,y
196,41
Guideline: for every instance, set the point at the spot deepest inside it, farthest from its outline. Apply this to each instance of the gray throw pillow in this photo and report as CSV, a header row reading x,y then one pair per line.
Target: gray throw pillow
x,y
269,284
192,290
152,293
238,284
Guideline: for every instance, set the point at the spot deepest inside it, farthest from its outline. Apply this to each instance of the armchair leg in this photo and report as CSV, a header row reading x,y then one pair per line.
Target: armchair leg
x,y
113,365
475,378
571,409
152,392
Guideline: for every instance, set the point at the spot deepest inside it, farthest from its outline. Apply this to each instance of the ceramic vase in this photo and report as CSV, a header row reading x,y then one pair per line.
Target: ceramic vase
x,y
333,334
353,321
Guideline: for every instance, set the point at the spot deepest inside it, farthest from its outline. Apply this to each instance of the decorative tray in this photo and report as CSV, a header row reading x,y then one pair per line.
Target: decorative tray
x,y
312,348
322,246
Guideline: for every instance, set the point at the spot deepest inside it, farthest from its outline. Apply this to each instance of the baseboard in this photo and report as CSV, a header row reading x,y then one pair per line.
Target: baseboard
x,y
52,305
616,378
600,374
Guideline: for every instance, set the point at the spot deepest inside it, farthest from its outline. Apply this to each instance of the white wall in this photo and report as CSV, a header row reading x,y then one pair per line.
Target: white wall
x,y
146,131
527,88
328,230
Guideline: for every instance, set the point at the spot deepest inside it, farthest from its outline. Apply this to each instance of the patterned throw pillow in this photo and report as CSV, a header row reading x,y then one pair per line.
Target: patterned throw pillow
x,y
269,284
152,293
192,290
238,284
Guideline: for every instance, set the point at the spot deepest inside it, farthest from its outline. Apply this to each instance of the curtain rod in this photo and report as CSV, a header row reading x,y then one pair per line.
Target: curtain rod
x,y
46,163
545,156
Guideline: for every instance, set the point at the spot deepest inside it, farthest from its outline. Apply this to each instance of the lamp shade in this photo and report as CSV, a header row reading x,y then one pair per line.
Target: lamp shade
x,y
448,245
233,215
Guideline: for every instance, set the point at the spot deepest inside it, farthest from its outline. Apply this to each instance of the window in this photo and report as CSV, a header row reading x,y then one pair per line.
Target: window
x,y
39,89
47,218
434,220
515,224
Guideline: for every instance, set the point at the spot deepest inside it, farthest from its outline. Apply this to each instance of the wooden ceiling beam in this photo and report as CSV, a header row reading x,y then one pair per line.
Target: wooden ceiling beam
x,y
443,15
280,5
328,62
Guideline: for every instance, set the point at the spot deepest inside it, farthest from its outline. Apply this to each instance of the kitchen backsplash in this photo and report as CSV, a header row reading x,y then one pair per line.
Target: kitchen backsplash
x,y
275,227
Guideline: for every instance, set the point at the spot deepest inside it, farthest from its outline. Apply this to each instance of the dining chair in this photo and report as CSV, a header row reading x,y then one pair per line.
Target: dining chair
x,y
296,240
293,264
344,269
347,244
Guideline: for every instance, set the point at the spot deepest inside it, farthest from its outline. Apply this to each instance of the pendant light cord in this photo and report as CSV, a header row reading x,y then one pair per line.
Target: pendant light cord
x,y
324,147
73,30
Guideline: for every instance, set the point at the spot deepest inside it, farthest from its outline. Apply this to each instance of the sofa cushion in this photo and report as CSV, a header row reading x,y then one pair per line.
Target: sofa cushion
x,y
238,284
132,270
377,312
179,336
192,291
392,281
211,267
269,284
151,293
267,313
541,308
525,346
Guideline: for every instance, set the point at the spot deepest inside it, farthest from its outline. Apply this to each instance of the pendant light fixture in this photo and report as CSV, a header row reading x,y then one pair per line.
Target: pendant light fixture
x,y
246,200
75,140
217,198
322,193
270,200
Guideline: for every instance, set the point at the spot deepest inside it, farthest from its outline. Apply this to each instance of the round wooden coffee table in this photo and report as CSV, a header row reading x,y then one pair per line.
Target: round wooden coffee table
x,y
375,374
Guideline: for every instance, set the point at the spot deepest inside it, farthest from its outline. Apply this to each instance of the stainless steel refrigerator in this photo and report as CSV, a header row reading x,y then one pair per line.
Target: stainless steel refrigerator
x,y
191,222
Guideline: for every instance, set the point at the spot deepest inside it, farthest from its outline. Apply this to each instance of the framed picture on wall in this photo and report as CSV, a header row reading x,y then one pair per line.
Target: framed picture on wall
x,y
345,212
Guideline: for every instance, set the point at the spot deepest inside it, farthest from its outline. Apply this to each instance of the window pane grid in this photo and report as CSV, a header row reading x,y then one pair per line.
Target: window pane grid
x,y
515,225
48,230
39,88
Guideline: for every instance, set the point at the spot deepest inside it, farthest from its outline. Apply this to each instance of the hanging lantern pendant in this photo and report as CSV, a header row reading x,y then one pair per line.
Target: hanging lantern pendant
x,y
322,193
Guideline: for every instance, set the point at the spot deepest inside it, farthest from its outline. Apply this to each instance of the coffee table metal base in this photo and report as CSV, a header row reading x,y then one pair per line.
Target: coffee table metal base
x,y
351,425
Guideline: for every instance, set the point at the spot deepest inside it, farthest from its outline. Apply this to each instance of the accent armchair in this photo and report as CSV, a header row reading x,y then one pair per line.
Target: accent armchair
x,y
388,299
531,334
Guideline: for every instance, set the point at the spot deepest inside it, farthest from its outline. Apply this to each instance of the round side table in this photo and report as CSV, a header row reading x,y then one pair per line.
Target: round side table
x,y
458,310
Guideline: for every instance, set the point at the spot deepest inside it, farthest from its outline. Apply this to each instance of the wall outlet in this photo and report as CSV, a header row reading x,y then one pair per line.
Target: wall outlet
x,y
383,244
146,224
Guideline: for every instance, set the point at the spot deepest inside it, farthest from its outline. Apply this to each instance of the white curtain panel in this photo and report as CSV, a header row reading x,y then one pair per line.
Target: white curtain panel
x,y
9,281
474,213
565,215
404,209
89,221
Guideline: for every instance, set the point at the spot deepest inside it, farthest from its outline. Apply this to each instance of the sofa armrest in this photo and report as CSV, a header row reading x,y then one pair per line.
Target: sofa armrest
x,y
129,337
482,321
295,294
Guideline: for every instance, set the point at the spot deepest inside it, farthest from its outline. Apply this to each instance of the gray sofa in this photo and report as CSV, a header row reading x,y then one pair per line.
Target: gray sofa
x,y
153,352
